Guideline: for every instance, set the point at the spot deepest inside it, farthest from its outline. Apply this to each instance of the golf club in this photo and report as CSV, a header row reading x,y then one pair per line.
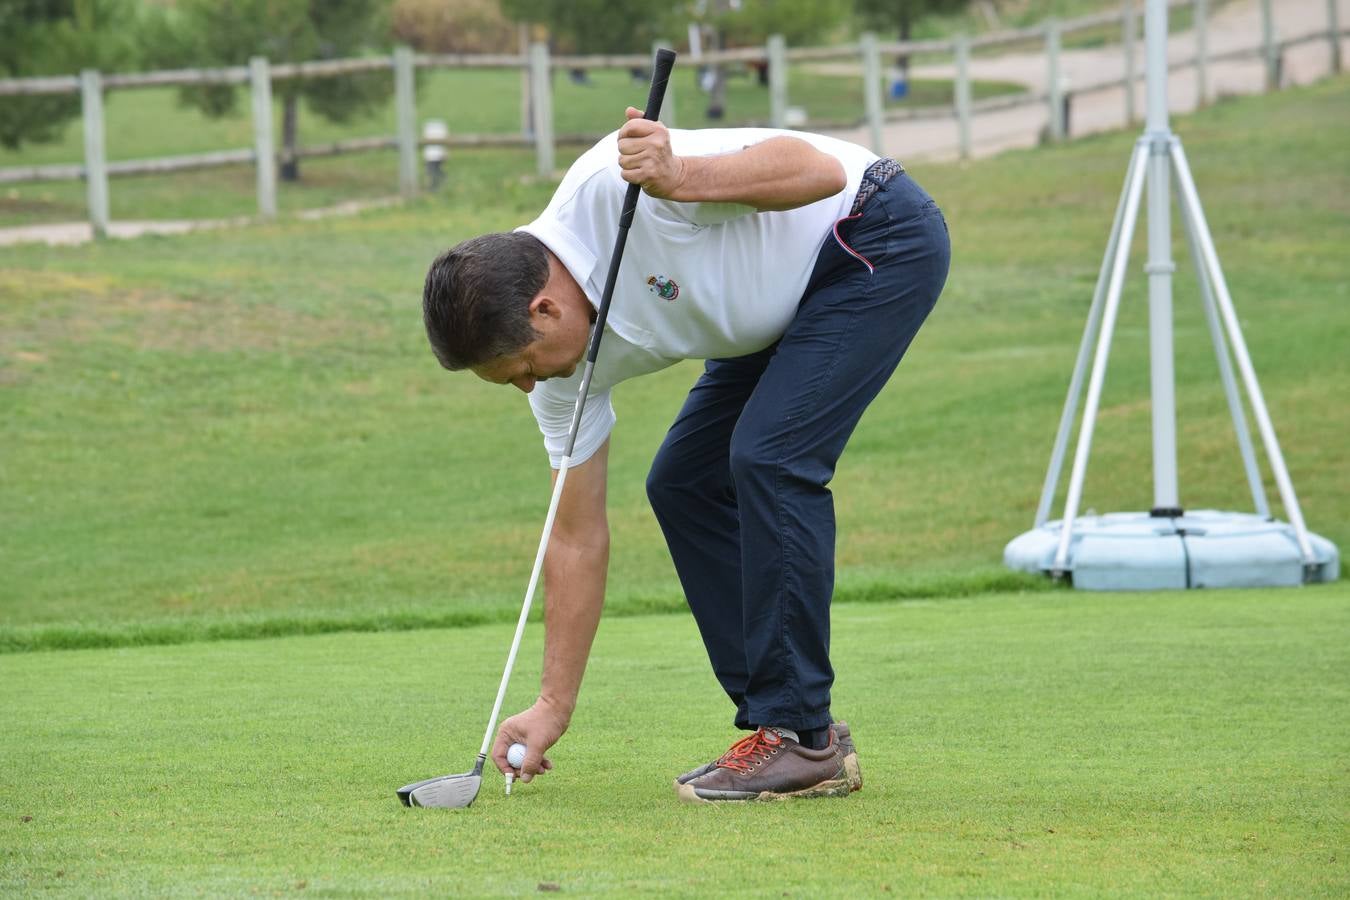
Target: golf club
x,y
458,791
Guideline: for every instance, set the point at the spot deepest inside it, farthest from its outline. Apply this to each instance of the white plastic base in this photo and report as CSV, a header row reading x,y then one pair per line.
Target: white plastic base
x,y
1204,548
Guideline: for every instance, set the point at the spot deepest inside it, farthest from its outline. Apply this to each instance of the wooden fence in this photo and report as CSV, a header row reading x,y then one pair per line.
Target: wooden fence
x,y
537,65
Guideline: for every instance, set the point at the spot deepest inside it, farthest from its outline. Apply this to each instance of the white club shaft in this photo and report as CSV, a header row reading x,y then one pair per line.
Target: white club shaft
x,y
529,599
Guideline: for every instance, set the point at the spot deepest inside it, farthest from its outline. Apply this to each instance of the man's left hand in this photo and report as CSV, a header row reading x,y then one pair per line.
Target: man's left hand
x,y
645,156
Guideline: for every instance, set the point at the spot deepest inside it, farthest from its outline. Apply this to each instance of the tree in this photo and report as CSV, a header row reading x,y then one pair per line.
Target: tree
x,y
57,37
207,32
600,26
900,15
453,26
800,22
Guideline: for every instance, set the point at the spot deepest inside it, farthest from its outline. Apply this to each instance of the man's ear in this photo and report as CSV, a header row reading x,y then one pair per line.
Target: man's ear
x,y
544,305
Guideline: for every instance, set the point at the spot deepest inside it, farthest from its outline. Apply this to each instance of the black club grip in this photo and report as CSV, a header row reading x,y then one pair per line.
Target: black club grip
x,y
665,61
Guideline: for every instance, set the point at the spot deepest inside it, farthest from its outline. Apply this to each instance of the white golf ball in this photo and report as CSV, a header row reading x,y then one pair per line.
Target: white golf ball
x,y
515,755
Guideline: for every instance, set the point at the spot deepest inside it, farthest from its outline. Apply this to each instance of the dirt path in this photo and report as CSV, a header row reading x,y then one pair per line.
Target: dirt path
x,y
69,233
1234,26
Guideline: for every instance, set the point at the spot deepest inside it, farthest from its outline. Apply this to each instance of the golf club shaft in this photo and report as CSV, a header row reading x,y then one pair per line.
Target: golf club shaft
x,y
665,59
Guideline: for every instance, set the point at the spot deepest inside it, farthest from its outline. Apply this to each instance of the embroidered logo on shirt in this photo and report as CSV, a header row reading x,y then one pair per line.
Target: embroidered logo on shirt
x,y
663,287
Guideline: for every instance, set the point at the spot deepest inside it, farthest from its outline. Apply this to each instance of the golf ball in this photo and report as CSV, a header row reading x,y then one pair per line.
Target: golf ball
x,y
515,755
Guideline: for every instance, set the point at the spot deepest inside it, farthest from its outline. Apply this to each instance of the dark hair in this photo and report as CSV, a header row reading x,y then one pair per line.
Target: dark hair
x,y
476,301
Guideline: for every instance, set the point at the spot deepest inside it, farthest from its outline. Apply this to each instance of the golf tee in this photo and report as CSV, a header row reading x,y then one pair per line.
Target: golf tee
x,y
510,777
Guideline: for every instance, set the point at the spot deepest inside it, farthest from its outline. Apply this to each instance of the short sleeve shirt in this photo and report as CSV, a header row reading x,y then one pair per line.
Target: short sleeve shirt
x,y
697,280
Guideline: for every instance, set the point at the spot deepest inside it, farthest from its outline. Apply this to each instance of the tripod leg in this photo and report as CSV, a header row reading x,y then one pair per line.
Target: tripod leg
x,y
1191,198
1084,348
1133,192
1230,388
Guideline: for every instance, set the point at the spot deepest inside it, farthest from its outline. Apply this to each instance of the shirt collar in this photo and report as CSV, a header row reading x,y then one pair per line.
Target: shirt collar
x,y
575,256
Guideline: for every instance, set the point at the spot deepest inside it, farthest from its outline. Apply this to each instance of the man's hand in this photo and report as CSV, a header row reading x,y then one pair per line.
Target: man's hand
x,y
646,158
780,172
538,728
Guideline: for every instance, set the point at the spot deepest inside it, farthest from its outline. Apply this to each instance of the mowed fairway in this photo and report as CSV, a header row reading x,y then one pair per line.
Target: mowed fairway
x,y
242,435
1011,745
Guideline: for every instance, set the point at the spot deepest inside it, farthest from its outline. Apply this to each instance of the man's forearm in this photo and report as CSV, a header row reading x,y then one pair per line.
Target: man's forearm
x,y
574,585
780,173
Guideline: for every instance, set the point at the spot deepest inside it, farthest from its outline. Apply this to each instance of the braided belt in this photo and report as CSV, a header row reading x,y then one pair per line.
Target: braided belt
x,y
877,174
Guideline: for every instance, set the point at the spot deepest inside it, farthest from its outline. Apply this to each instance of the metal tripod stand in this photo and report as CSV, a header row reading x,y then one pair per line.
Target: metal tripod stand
x,y
1157,162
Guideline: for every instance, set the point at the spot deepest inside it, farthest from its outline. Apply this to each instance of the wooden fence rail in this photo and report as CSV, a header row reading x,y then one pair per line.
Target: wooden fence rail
x,y
537,66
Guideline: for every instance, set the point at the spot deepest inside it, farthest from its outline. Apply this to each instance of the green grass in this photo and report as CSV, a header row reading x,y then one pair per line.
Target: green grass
x,y
1011,745
148,123
243,433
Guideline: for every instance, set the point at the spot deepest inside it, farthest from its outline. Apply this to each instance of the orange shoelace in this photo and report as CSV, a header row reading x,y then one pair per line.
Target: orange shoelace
x,y
750,751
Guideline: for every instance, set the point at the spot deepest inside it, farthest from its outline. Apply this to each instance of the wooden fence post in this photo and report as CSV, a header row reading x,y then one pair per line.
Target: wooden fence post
x,y
264,153
667,115
1334,33
541,95
872,91
778,81
962,97
406,106
1128,36
1054,86
1272,52
95,160
1202,53
526,113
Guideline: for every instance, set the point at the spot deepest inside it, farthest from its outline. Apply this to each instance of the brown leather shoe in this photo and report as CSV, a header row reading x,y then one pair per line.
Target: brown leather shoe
x,y
769,766
841,734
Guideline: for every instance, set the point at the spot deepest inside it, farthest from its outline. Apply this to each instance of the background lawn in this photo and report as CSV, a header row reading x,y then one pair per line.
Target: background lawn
x,y
1032,745
244,432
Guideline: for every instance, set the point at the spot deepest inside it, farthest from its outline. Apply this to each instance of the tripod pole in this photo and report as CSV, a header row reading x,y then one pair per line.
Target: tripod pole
x,y
1166,500
1094,321
1191,198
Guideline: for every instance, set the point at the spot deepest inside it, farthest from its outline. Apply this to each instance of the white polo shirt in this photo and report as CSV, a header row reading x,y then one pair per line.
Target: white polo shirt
x,y
697,281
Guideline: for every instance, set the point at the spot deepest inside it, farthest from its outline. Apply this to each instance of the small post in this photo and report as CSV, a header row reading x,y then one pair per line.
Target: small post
x,y
1055,87
667,115
264,151
1202,52
405,104
1272,52
541,93
1131,31
1334,35
963,94
872,91
778,81
95,160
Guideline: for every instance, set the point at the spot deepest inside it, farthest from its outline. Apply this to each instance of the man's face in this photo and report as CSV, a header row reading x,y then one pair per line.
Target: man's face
x,y
555,353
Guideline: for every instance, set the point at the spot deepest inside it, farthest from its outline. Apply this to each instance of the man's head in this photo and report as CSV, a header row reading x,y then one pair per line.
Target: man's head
x,y
505,307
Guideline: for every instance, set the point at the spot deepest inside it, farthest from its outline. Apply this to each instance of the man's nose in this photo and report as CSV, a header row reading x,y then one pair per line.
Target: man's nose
x,y
524,382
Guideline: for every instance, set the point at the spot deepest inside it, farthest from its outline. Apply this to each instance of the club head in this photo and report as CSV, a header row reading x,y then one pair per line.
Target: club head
x,y
446,792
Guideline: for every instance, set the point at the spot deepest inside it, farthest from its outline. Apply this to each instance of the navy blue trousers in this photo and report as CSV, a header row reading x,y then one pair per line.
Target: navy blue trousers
x,y
739,485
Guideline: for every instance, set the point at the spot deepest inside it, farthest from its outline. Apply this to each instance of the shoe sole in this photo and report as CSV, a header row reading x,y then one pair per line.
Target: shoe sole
x,y
835,787
854,773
